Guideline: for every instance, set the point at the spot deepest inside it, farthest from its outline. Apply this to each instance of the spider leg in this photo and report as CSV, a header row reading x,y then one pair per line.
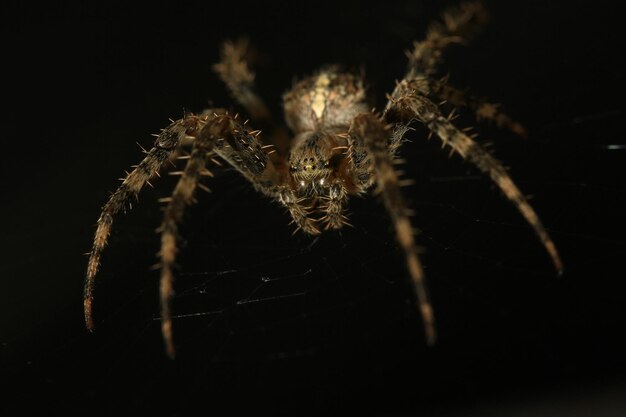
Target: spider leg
x,y
459,24
368,132
408,103
482,109
243,150
165,144
234,71
226,137
181,197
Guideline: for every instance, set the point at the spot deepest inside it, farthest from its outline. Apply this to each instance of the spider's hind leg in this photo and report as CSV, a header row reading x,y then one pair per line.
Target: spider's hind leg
x,y
458,24
234,71
483,110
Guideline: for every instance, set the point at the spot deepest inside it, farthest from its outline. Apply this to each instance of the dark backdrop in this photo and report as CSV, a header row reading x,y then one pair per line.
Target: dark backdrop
x,y
270,323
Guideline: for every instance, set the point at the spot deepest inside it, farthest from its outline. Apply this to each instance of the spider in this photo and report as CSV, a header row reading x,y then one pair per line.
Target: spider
x,y
339,148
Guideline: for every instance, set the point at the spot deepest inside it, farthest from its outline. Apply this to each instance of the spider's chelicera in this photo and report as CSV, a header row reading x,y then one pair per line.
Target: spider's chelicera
x,y
338,148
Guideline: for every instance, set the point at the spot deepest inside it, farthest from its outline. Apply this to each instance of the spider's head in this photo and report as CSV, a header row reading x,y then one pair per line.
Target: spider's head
x,y
313,159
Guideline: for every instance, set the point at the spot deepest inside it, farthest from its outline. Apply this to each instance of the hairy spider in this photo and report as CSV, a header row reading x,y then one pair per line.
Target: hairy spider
x,y
339,148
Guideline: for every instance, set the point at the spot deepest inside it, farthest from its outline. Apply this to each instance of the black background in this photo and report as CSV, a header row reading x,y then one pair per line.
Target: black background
x,y
275,324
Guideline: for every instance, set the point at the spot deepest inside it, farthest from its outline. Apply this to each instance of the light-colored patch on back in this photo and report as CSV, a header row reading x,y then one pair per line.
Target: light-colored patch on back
x,y
320,94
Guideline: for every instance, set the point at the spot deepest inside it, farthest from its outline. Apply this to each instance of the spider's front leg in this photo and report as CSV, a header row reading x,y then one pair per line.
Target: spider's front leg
x,y
409,102
166,143
368,136
220,135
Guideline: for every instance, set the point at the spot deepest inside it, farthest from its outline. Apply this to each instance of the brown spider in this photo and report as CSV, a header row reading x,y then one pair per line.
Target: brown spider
x,y
339,148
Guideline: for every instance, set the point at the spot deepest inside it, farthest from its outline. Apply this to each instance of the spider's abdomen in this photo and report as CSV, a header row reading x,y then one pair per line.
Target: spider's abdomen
x,y
326,101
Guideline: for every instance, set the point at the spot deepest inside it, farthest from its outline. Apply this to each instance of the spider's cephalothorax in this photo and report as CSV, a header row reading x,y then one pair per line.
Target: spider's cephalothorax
x,y
337,149
319,110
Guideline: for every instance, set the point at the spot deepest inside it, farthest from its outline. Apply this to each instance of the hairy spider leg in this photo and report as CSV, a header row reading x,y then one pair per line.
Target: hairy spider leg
x,y
367,132
483,109
165,144
222,135
234,71
181,197
459,24
407,103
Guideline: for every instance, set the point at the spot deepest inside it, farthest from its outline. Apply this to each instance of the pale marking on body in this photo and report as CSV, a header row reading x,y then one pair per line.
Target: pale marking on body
x,y
320,93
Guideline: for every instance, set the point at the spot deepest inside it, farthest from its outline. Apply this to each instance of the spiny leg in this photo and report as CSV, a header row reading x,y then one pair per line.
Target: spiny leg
x,y
181,197
484,110
234,71
164,145
243,149
224,136
407,104
459,24
368,132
